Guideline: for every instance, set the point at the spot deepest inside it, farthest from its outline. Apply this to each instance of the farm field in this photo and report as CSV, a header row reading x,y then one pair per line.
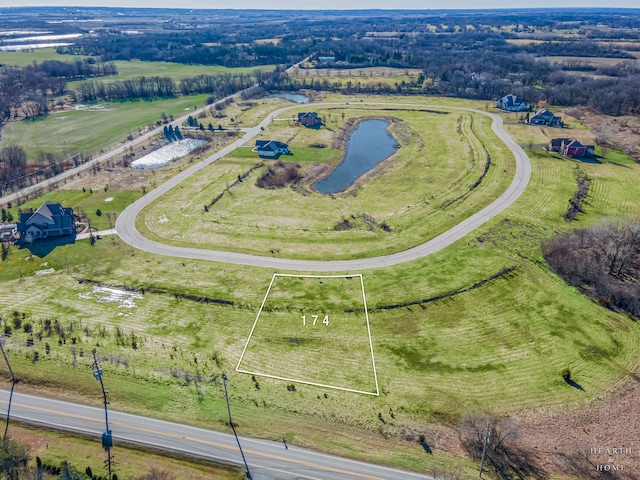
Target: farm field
x,y
363,76
24,58
592,61
91,129
448,166
482,326
176,71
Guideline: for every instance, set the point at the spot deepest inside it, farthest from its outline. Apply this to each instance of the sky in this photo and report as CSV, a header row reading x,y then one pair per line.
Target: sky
x,y
331,4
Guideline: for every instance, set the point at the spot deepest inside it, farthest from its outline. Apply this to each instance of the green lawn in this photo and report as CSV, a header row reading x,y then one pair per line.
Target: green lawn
x,y
109,203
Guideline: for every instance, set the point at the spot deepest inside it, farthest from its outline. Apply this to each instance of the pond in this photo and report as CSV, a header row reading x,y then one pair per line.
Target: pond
x,y
292,97
168,153
368,145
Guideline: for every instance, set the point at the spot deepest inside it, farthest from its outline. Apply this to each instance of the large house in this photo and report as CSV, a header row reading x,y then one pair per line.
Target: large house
x,y
271,148
511,103
545,117
50,220
570,147
310,119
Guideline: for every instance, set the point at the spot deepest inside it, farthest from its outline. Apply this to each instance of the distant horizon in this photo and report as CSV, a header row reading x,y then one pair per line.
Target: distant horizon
x,y
328,5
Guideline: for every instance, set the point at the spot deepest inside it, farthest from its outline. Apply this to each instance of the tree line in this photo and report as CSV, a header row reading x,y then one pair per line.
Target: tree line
x,y
145,88
603,262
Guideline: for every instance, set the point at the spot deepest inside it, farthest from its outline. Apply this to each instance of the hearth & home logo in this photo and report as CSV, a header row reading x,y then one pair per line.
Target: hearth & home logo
x,y
610,459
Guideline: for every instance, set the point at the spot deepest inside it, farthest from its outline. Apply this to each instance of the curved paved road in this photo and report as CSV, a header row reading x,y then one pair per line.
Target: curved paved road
x,y
267,460
125,225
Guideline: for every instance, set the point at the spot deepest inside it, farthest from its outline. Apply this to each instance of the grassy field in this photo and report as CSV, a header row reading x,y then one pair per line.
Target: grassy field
x,y
176,71
53,448
24,58
291,336
94,128
262,221
363,76
495,341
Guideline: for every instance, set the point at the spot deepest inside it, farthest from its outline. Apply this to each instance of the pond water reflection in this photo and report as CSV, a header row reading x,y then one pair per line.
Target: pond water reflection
x,y
368,145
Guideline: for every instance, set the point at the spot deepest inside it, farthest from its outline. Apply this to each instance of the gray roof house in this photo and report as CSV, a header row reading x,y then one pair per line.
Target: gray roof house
x,y
50,220
271,148
512,103
545,117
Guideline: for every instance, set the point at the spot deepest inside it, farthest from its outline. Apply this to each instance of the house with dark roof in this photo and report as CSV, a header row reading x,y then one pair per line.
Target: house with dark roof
x,y
511,103
545,117
570,147
271,148
310,119
50,220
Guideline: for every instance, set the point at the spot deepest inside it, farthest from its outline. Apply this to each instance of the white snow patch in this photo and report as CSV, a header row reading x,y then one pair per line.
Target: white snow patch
x,y
123,298
100,107
168,153
45,272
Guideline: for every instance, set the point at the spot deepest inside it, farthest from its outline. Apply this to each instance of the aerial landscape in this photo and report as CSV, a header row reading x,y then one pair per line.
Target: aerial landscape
x,y
319,244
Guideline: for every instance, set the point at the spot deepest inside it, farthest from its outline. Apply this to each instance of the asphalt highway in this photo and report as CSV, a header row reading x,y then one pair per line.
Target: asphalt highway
x,y
125,224
266,460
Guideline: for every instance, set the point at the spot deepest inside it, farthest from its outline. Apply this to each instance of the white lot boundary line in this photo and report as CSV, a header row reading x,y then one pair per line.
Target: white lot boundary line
x,y
366,314
255,323
276,377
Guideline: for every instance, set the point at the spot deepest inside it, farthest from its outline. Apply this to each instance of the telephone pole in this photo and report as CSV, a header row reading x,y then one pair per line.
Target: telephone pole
x,y
226,396
13,385
107,439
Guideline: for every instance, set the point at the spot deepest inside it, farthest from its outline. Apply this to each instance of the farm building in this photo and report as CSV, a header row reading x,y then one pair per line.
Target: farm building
x,y
271,148
310,119
570,147
545,117
50,220
511,103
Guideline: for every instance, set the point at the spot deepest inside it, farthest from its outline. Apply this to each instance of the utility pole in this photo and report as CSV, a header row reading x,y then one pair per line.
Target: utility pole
x,y
226,396
13,385
484,450
107,439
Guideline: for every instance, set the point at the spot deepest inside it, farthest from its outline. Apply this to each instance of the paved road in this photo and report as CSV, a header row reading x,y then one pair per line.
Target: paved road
x,y
266,459
126,228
